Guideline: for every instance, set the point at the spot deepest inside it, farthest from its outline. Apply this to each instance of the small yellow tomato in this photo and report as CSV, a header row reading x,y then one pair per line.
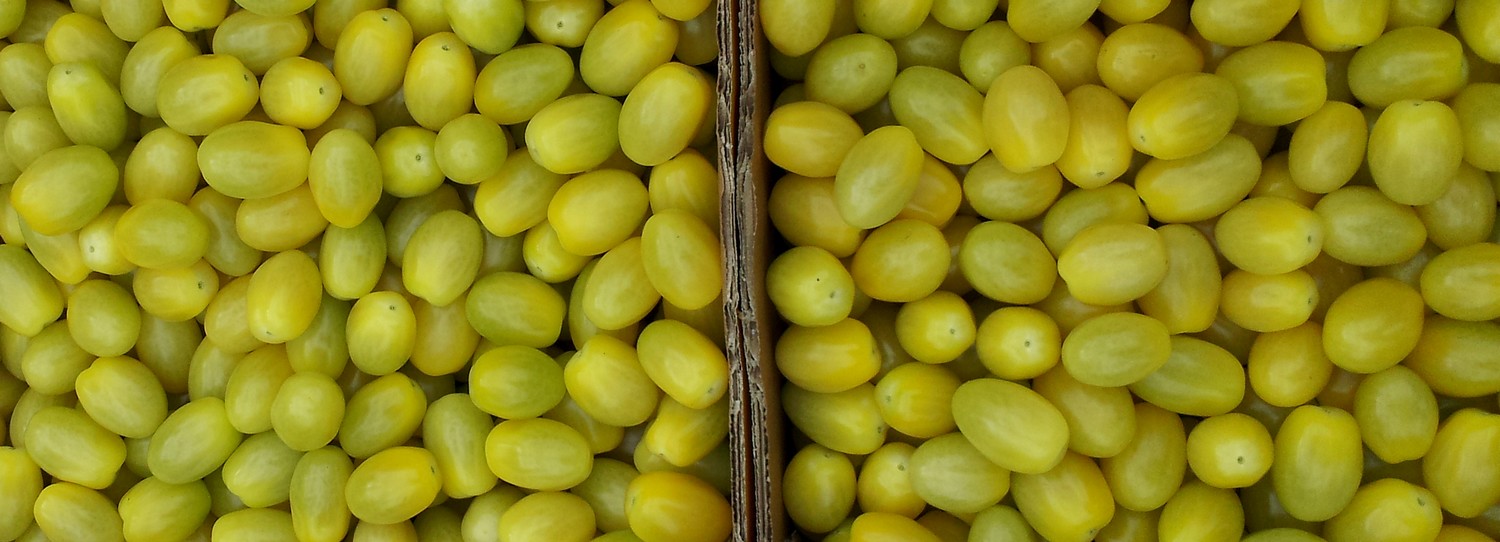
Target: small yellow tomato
x,y
1229,450
1198,379
902,261
1011,425
1183,115
1415,150
878,176
668,506
1472,267
1187,298
1277,82
1200,511
1018,342
1416,63
372,53
538,454
1136,57
1113,263
1200,186
1005,262
393,485
193,441
1460,467
72,447
1068,502
1116,349
1101,421
1239,25
64,189
845,422
1317,462
1288,368
1025,119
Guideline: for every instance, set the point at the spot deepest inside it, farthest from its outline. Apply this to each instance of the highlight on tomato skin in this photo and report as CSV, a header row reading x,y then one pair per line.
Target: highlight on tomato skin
x,y
313,269
1218,270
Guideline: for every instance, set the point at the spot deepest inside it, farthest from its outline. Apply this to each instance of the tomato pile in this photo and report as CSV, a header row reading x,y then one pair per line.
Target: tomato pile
x,y
312,270
1138,269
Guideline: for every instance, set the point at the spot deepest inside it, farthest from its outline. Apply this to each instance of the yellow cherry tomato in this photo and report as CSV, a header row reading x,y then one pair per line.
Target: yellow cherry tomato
x,y
1098,149
372,53
1269,235
1202,512
1362,226
885,486
122,395
1317,463
260,471
1068,502
88,107
1101,421
851,73
1229,451
606,379
668,506
548,515
916,399
283,297
1450,357
1373,325
1183,116
1025,119
943,112
997,193
515,308
904,260
1175,191
385,412
1011,425
1198,379
1288,368
162,234
828,359
1415,150
538,454
1040,21
1239,25
1018,342
1277,82
393,485
1115,349
796,28
1470,266
548,68
64,189
627,43
878,177
1341,25
1187,298
72,447
1113,263
319,509
1416,63
819,488
193,441
951,474
1460,466
1462,216
153,508
1327,147
1136,57
1387,509
810,287
682,259
67,511
845,422
1007,263
251,159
